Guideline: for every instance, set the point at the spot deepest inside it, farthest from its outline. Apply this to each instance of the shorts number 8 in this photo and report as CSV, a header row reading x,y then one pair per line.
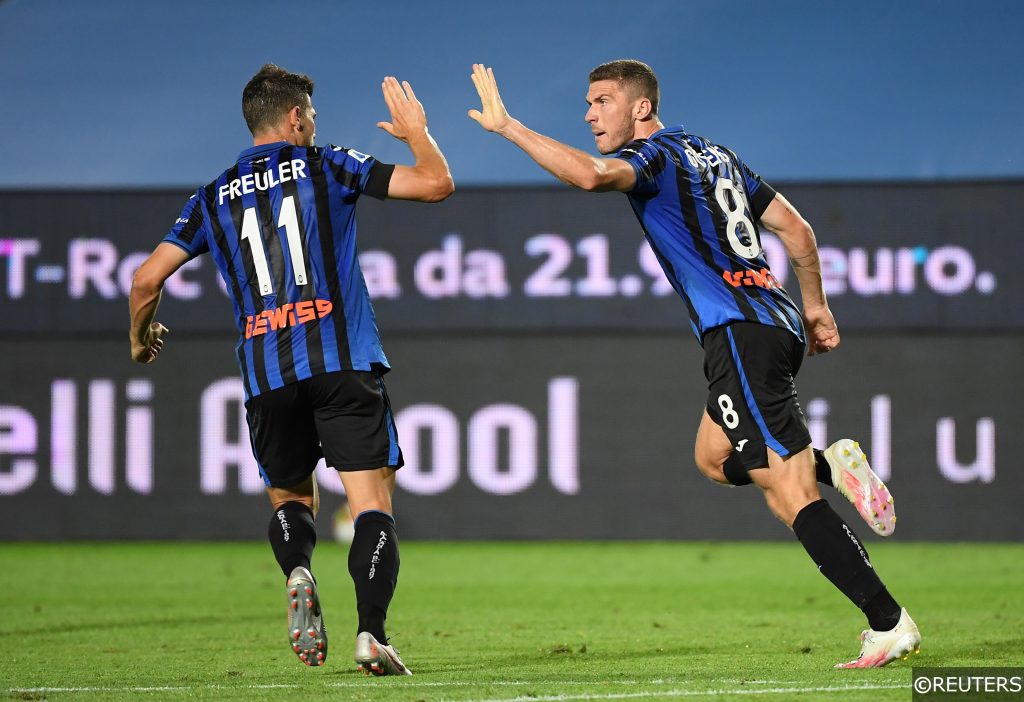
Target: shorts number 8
x,y
729,416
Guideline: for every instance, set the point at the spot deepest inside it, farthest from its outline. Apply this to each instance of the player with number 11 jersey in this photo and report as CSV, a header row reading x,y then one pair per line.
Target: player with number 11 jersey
x,y
301,304
280,225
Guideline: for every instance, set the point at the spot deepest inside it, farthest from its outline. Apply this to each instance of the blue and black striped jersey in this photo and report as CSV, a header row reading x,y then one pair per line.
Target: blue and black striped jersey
x,y
699,206
281,227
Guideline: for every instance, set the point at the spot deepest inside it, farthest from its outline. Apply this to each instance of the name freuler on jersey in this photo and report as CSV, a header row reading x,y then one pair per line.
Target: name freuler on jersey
x,y
251,182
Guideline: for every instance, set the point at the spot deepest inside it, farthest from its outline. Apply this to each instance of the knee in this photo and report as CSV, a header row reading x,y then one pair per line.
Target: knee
x,y
786,500
779,506
358,504
311,501
710,469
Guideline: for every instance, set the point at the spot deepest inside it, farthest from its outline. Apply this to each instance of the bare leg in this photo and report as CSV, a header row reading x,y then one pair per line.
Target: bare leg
x,y
711,450
789,484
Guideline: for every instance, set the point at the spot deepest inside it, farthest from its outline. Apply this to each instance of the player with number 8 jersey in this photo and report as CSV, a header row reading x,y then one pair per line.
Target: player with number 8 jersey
x,y
700,208
698,204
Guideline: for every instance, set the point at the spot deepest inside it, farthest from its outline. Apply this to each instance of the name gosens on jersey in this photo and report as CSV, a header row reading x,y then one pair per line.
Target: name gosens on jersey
x,y
698,205
280,226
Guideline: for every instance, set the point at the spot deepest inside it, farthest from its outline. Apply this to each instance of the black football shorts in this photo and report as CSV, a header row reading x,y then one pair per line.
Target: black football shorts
x,y
344,417
751,370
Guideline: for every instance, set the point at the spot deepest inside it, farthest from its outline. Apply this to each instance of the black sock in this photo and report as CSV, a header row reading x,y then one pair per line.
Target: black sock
x,y
822,469
734,470
882,611
292,536
373,564
842,559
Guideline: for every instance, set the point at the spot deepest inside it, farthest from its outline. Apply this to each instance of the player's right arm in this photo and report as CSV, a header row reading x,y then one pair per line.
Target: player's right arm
x,y
145,335
569,165
796,235
429,180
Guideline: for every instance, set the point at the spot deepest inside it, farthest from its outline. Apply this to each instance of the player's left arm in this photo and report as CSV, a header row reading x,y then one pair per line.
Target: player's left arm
x,y
781,218
145,335
429,180
569,165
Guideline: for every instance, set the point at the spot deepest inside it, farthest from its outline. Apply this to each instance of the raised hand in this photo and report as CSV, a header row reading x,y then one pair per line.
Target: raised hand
x,y
407,114
492,116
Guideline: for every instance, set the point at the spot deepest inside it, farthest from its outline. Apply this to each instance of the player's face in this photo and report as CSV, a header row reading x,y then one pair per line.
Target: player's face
x,y
610,115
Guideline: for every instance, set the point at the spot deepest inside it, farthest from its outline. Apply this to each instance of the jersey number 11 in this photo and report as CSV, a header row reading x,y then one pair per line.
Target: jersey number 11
x,y
251,231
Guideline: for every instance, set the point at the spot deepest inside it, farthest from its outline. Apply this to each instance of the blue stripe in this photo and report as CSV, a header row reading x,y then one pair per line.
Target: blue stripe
x,y
263,473
271,363
245,306
389,420
300,355
328,340
343,221
769,440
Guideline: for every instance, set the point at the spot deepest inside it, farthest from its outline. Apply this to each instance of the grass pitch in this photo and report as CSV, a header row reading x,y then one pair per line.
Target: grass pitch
x,y
493,621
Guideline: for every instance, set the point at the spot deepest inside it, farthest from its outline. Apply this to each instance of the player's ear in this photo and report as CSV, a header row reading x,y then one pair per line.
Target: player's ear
x,y
642,109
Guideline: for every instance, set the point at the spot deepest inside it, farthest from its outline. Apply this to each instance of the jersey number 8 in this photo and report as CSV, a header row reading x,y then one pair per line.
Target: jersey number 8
x,y
732,206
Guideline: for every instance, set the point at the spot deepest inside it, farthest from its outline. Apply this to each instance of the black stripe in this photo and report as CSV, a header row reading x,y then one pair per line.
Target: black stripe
x,y
719,221
379,180
194,224
330,262
251,281
667,266
221,242
769,303
649,170
278,270
272,244
313,344
752,291
348,179
760,200
688,207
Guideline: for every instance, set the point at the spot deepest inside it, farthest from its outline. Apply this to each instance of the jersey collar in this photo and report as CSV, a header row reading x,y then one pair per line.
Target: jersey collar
x,y
262,148
671,128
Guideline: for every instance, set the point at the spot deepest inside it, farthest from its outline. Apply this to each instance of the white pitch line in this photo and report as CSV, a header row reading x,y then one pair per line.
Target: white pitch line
x,y
495,683
690,693
358,683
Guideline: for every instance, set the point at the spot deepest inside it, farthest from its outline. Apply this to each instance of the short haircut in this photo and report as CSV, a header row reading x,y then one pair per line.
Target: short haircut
x,y
636,74
271,93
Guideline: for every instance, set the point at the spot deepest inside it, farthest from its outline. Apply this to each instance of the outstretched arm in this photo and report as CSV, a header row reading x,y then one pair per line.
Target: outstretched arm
x,y
429,180
569,165
144,334
797,236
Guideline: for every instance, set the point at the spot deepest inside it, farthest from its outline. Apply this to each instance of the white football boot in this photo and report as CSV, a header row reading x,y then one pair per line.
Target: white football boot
x,y
854,479
371,656
307,634
879,648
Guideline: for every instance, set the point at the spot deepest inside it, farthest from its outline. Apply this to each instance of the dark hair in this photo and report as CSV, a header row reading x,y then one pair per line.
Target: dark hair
x,y
271,93
636,74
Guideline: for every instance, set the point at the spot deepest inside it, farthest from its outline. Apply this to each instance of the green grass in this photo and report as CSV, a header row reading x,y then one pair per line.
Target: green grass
x,y
493,621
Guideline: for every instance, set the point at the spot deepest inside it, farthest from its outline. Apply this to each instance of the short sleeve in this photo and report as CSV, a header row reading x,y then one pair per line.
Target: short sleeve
x,y
187,231
760,193
359,172
648,162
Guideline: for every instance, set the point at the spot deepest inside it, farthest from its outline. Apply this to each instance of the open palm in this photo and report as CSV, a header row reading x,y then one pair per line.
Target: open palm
x,y
492,115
